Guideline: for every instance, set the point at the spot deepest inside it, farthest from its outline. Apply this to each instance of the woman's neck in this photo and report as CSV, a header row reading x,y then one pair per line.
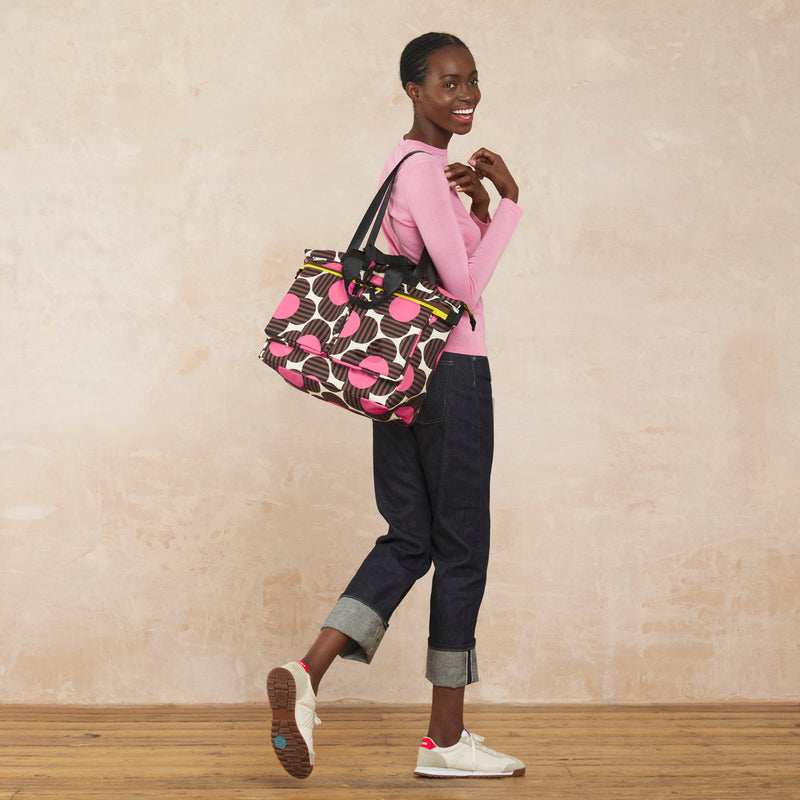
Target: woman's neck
x,y
429,135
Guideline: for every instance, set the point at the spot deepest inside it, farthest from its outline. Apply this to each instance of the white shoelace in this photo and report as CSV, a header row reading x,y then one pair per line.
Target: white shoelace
x,y
476,743
307,716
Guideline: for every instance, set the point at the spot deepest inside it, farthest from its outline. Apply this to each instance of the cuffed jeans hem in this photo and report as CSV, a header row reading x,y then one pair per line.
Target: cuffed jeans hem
x,y
452,668
361,623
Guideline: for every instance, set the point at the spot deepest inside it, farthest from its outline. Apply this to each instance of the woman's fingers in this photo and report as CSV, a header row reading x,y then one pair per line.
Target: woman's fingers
x,y
490,165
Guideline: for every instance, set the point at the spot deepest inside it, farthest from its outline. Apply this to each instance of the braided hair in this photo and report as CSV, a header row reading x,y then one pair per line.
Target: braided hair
x,y
414,60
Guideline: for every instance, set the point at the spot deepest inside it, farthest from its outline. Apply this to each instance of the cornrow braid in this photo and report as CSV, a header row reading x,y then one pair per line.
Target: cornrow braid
x,y
414,60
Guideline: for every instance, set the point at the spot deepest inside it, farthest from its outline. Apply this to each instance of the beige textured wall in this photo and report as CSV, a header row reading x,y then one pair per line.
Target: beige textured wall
x,y
175,520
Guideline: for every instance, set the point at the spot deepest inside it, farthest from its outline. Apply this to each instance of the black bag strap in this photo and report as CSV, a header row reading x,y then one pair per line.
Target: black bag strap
x,y
356,259
377,208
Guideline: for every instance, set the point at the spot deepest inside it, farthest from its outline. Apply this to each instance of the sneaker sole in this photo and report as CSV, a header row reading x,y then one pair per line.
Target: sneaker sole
x,y
446,772
287,741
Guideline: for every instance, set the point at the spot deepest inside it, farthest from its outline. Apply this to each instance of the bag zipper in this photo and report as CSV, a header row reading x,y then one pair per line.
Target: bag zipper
x,y
439,313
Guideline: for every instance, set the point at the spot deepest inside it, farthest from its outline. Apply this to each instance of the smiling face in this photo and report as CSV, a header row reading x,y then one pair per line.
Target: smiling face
x,y
445,101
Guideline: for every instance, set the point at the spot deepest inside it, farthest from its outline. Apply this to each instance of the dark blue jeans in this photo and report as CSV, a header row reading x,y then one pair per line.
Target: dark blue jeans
x,y
432,487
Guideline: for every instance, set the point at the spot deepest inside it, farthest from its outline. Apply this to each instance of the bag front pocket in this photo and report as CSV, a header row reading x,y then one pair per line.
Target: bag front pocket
x,y
313,308
379,341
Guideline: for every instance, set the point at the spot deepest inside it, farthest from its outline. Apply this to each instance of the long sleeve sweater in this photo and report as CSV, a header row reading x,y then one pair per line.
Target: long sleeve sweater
x,y
424,211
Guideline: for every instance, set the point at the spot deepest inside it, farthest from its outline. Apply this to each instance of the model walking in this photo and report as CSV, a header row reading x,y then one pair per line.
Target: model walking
x,y
431,478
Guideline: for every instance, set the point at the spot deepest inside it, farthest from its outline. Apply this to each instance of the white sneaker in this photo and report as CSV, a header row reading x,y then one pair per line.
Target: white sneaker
x,y
467,758
293,705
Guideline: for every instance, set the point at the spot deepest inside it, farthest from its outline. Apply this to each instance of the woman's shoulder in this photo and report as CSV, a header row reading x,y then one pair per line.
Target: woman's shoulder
x,y
432,157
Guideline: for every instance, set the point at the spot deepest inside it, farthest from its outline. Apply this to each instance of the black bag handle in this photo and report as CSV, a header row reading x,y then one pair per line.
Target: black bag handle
x,y
356,260
378,207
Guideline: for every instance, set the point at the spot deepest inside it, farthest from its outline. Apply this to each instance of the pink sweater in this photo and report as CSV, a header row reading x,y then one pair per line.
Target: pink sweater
x,y
465,251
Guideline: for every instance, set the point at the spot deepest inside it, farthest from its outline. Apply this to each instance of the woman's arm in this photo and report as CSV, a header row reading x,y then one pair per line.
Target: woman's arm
x,y
426,192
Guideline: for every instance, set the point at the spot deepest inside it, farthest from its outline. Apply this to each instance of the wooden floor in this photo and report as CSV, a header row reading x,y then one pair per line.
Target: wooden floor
x,y
368,752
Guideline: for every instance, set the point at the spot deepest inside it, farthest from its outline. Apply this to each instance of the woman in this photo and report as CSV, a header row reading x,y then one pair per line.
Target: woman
x,y
432,478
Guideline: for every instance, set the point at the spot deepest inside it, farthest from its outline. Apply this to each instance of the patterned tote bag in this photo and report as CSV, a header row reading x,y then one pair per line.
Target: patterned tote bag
x,y
361,329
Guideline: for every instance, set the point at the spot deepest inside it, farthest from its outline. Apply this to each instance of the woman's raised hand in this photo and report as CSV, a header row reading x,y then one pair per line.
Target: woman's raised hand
x,y
464,179
490,165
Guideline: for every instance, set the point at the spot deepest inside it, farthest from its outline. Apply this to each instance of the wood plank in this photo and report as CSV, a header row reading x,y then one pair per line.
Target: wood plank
x,y
368,752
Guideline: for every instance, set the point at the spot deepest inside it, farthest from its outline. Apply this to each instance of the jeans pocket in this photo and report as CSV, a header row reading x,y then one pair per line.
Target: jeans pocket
x,y
433,409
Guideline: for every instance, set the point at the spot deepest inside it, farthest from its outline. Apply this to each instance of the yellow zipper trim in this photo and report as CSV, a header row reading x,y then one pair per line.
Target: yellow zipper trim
x,y
321,269
439,313
432,309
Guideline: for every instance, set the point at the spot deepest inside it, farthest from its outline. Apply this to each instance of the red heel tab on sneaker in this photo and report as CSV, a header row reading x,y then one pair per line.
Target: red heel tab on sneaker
x,y
427,744
304,666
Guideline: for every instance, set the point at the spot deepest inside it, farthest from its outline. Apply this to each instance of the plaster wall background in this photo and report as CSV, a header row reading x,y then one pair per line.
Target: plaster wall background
x,y
174,520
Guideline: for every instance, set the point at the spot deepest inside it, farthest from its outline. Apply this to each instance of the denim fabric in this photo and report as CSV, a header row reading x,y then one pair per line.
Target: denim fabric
x,y
432,487
362,624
